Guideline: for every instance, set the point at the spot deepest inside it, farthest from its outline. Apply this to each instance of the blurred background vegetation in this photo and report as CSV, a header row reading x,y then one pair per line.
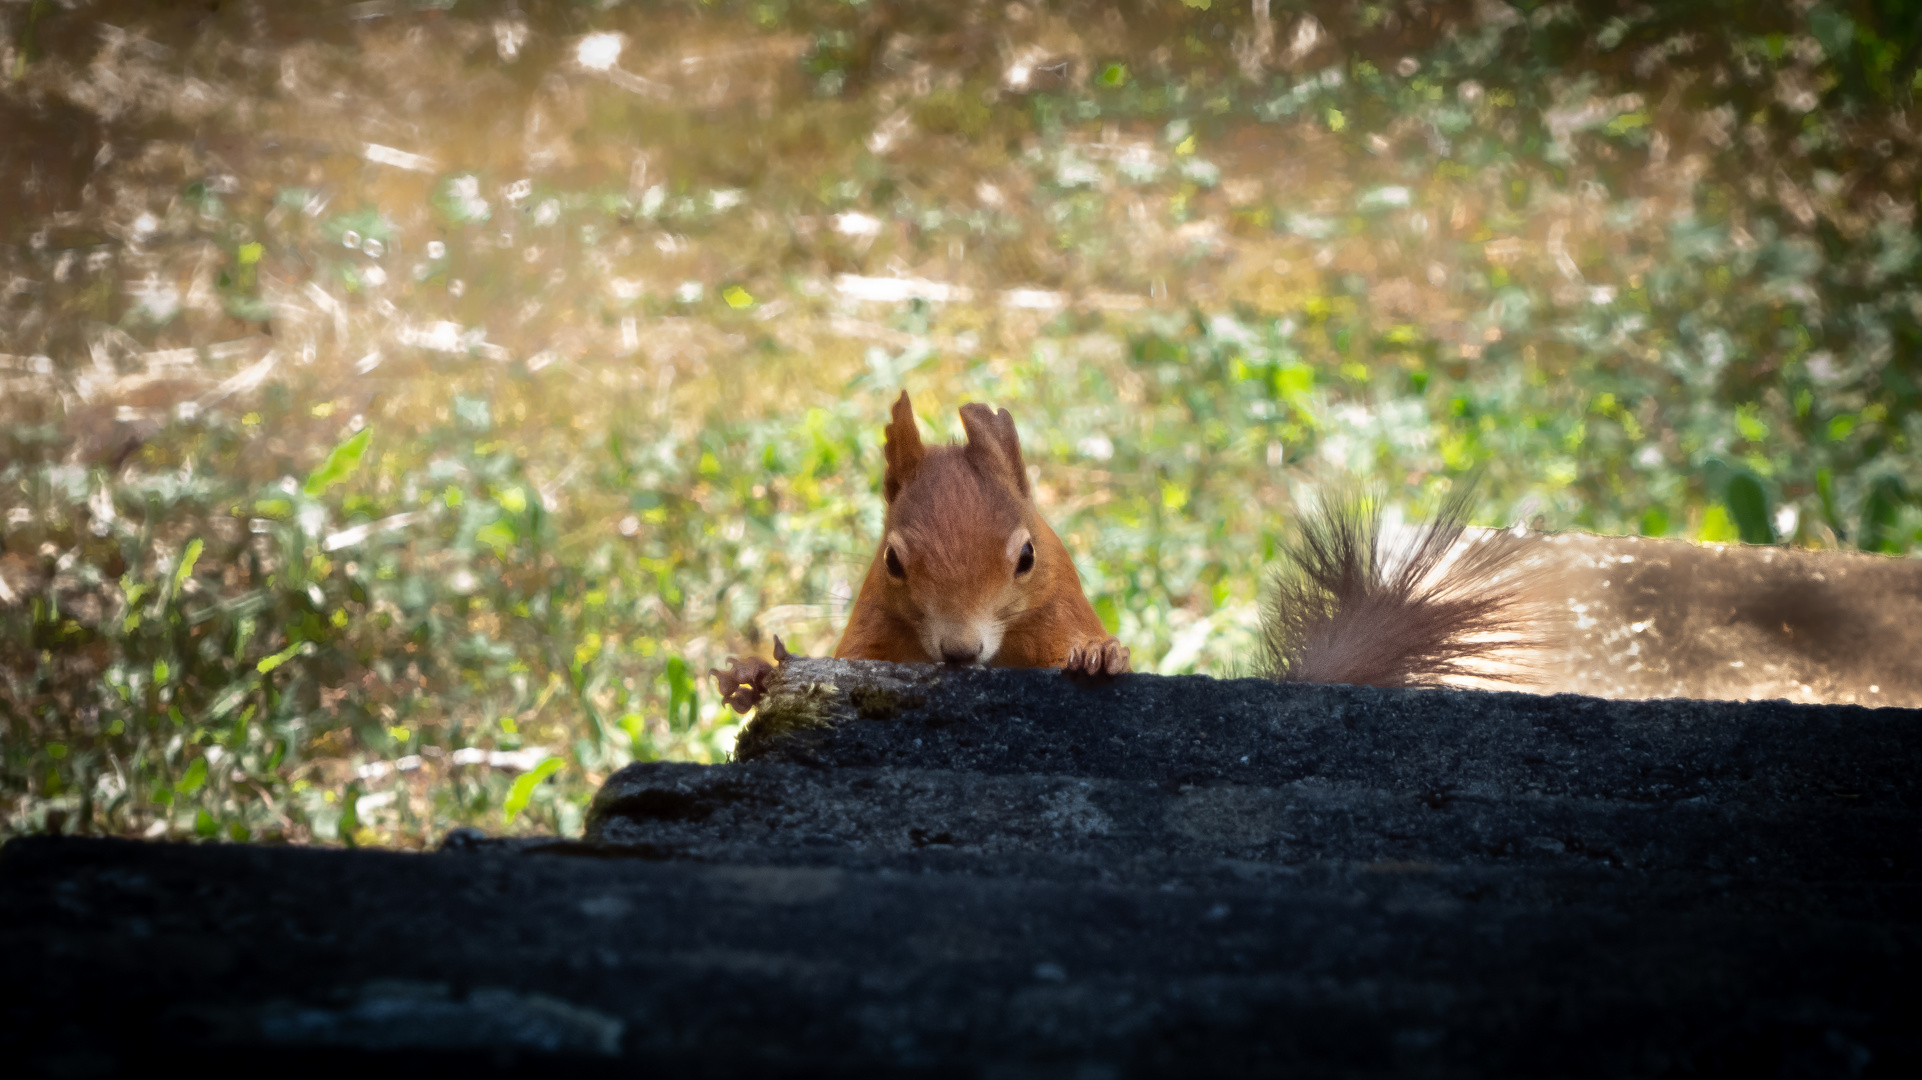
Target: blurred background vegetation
x,y
406,401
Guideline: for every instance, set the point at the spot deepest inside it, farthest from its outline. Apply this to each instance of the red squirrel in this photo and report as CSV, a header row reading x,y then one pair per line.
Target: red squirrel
x,y
966,572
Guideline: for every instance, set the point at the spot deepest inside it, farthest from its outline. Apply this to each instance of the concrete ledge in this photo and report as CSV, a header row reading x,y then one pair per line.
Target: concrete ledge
x,y
1057,827
925,871
1194,729
1668,618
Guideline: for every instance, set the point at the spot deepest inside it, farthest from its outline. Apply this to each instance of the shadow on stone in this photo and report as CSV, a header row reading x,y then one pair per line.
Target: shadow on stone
x,y
1009,873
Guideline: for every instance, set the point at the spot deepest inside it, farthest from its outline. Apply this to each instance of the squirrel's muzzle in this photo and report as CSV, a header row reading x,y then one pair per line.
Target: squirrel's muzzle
x,y
952,653
961,641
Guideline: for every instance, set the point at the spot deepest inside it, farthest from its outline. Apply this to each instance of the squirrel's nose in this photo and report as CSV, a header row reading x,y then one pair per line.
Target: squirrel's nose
x,y
960,654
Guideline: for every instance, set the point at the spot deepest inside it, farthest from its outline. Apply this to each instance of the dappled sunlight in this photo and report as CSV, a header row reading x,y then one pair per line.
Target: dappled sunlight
x,y
405,403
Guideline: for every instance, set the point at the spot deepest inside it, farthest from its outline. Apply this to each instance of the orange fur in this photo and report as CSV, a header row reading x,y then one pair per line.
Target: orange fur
x,y
956,589
947,585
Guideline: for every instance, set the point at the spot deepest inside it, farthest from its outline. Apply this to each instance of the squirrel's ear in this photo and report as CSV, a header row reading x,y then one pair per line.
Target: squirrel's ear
x,y
904,449
992,443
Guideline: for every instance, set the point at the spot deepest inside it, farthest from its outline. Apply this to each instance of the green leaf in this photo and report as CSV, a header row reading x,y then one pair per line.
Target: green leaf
x,y
498,535
1879,516
525,784
204,825
1716,526
279,658
349,821
230,699
196,776
340,464
1748,504
1832,29
1294,381
684,700
1627,122
187,560
1825,490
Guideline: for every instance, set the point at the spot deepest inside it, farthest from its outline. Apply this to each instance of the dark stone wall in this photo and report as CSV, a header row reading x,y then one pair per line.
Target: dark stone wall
x,y
917,870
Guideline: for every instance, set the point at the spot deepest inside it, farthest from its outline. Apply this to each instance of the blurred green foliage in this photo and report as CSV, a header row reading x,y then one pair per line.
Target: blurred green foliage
x,y
352,493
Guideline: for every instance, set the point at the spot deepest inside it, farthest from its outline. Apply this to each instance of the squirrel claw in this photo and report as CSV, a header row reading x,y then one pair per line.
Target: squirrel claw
x,y
1108,657
744,680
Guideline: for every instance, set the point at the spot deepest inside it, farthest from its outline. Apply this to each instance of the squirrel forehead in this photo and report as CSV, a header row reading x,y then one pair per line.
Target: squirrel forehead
x,y
950,506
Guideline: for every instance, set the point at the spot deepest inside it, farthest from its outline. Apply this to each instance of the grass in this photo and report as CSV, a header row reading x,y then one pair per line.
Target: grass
x,y
399,412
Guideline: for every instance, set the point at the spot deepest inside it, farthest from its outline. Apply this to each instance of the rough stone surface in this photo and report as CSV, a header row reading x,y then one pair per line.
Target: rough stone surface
x,y
1015,874
1637,618
1058,827
1197,730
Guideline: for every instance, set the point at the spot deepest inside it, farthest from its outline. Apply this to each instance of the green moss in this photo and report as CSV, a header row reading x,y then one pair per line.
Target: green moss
x,y
877,703
780,716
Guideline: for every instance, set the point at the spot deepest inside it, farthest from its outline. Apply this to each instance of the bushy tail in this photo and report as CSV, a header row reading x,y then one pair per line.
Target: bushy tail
x,y
1344,610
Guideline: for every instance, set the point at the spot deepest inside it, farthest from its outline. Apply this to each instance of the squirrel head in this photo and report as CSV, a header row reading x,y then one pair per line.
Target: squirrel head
x,y
964,552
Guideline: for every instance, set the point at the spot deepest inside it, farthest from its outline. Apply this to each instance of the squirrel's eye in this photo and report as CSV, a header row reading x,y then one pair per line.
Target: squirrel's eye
x,y
1026,562
894,564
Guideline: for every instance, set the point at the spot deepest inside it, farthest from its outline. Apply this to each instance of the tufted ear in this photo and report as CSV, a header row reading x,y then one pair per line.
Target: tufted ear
x,y
904,449
993,447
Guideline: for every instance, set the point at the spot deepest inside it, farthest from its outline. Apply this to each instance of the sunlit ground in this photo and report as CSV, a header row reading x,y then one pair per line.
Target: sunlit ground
x,y
406,402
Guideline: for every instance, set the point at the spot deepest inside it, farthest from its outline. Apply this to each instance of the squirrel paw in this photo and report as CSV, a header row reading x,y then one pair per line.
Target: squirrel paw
x,y
1108,657
744,681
